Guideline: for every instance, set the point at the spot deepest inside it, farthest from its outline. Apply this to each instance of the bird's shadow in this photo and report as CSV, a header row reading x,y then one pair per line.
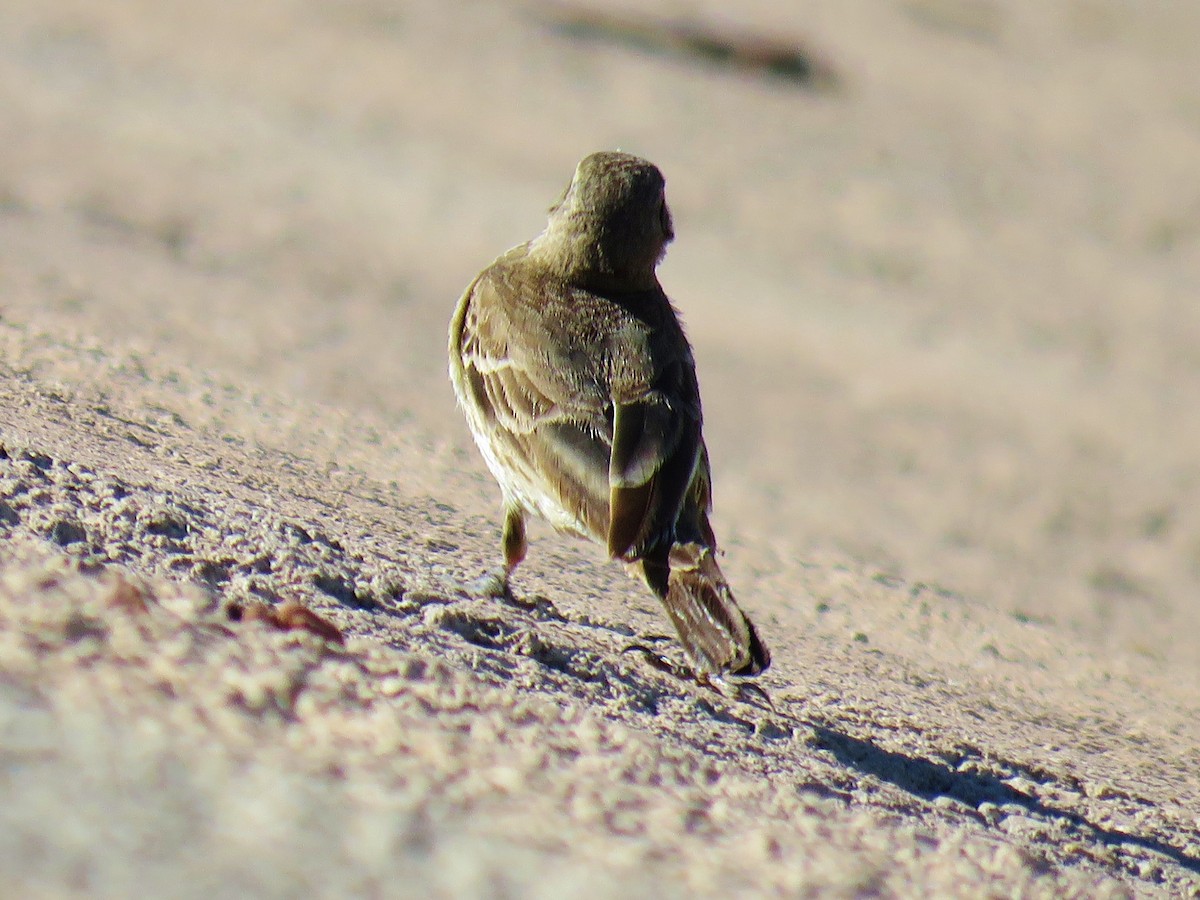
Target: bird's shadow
x,y
929,780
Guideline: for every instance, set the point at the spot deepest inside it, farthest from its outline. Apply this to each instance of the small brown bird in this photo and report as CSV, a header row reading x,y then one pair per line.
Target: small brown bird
x,y
579,386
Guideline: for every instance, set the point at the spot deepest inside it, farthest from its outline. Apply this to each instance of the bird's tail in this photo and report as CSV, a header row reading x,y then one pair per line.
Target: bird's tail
x,y
712,628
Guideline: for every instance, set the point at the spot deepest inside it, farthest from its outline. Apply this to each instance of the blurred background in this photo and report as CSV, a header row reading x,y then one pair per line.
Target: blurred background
x,y
939,258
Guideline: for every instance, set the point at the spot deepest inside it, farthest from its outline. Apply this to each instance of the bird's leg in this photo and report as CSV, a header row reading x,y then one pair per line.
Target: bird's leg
x,y
513,540
514,545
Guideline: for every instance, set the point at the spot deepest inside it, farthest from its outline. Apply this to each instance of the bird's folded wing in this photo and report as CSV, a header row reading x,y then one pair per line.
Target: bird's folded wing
x,y
642,437
541,407
654,460
515,368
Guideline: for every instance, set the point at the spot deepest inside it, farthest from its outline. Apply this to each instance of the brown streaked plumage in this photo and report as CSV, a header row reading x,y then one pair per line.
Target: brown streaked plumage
x,y
579,386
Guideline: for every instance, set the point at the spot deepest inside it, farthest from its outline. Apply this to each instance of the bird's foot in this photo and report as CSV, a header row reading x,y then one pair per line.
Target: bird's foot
x,y
492,584
495,585
736,689
658,660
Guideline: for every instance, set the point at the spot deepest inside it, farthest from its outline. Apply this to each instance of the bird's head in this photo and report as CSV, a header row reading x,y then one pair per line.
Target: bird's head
x,y
612,222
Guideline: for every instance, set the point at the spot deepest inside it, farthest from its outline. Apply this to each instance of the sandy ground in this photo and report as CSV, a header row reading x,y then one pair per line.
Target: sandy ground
x,y
943,304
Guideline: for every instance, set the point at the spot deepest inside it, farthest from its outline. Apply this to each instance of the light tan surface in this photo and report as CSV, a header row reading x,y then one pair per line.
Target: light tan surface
x,y
945,328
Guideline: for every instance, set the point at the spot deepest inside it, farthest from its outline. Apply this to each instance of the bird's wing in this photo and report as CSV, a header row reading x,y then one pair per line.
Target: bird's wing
x,y
657,447
542,404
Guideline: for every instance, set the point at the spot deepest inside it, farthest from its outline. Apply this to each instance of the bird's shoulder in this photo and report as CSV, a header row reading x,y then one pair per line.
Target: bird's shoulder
x,y
621,343
520,286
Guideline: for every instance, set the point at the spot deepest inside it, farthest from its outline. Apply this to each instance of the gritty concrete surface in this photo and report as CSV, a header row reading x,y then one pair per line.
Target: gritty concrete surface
x,y
942,301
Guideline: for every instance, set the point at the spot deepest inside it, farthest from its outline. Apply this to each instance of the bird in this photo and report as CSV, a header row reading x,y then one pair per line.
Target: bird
x,y
579,387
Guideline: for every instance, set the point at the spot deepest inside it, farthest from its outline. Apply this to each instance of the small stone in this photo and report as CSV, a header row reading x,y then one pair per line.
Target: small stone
x,y
65,532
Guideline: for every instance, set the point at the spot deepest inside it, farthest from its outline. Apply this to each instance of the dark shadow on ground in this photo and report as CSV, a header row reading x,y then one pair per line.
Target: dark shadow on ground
x,y
928,780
